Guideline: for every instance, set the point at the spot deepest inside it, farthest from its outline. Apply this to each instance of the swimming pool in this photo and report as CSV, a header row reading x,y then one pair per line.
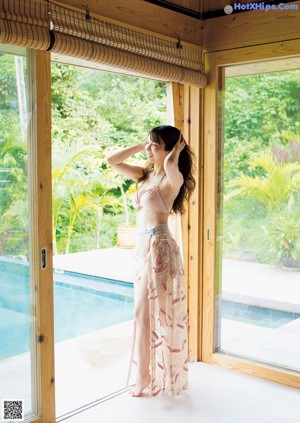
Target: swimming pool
x,y
259,316
82,304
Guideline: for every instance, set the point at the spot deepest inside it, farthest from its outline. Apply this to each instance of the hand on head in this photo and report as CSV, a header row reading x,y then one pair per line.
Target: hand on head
x,y
180,144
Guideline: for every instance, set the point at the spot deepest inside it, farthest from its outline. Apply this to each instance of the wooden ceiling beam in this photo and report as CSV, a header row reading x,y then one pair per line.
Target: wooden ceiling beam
x,y
144,16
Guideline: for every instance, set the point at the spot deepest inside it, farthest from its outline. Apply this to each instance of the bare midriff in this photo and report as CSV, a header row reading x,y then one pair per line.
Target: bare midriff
x,y
149,219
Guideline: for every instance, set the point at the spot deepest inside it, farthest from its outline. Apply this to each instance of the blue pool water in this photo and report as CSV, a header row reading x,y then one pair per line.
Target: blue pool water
x,y
82,305
81,309
259,316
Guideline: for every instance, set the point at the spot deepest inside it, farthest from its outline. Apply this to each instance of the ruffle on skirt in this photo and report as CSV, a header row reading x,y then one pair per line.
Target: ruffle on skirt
x,y
158,254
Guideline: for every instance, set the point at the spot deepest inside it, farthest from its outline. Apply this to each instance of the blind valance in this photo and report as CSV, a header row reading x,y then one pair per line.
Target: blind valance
x,y
43,25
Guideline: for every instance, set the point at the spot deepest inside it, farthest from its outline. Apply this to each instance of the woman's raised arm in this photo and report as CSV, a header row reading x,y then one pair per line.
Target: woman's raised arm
x,y
116,161
174,176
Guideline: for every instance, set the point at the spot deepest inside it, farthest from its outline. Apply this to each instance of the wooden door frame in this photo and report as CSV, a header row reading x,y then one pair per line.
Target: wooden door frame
x,y
40,198
186,112
213,63
43,232
187,107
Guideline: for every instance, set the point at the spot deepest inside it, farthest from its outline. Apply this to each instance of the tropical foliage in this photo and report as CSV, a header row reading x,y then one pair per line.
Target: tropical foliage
x,y
273,188
94,113
261,171
13,165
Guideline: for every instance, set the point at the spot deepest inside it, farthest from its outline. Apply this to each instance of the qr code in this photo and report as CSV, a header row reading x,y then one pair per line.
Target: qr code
x,y
13,410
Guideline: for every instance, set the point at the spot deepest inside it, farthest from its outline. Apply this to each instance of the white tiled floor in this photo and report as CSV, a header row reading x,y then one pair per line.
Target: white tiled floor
x,y
215,395
91,366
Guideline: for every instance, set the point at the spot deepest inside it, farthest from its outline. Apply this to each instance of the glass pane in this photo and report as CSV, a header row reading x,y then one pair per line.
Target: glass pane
x,y
17,299
258,228
95,226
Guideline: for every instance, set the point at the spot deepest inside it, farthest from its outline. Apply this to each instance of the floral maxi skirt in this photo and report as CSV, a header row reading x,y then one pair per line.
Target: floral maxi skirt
x,y
158,255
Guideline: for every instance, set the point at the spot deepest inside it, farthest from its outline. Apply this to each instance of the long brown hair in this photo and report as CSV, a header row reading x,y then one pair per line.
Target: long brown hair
x,y
169,135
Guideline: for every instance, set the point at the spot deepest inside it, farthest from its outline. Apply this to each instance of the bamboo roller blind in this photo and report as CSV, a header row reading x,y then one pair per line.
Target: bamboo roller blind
x,y
42,25
25,23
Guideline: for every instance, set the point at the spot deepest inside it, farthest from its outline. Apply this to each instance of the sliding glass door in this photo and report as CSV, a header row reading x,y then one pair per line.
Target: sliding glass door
x,y
257,297
18,319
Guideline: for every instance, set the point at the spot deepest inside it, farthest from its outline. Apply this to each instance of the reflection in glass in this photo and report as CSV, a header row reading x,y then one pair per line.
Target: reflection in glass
x,y
258,226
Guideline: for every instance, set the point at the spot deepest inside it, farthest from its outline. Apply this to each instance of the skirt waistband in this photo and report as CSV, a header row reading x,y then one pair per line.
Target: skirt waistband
x,y
163,227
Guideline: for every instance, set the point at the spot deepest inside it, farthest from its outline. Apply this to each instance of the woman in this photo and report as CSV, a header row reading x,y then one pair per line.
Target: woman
x,y
160,347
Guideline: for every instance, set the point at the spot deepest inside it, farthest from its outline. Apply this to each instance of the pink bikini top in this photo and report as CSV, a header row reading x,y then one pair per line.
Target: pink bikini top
x,y
151,199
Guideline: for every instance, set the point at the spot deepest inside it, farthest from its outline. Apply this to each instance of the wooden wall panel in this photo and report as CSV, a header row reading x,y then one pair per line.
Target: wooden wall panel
x,y
177,97
250,28
213,5
254,54
195,219
209,213
180,109
187,106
